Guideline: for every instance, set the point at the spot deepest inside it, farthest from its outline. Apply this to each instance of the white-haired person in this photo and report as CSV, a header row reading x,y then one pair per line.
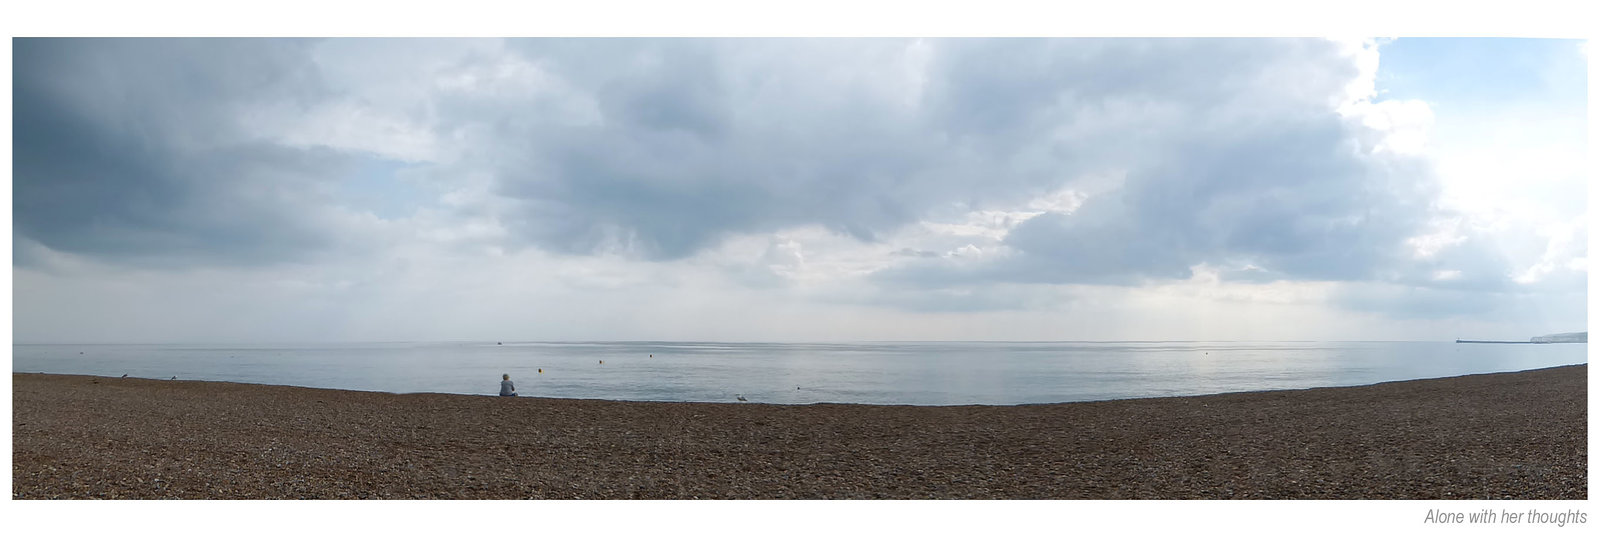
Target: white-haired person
x,y
507,389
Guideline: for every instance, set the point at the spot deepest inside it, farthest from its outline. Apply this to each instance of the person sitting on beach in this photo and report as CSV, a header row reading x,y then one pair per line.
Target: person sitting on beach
x,y
507,389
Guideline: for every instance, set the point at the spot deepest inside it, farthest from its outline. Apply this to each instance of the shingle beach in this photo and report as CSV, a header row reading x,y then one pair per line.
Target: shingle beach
x,y
1507,435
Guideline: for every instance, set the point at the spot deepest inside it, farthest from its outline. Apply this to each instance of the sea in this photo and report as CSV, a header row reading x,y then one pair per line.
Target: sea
x,y
897,373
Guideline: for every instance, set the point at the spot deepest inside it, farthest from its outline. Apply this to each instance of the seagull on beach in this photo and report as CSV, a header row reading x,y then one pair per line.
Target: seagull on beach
x,y
740,397
124,375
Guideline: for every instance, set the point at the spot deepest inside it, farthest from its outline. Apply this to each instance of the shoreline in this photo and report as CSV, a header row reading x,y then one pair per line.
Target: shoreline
x,y
1520,435
910,405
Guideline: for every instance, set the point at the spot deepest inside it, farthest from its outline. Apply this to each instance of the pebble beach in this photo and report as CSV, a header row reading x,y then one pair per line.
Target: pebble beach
x,y
1516,435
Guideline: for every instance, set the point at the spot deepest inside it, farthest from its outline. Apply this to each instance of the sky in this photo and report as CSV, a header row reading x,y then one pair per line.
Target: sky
x,y
309,190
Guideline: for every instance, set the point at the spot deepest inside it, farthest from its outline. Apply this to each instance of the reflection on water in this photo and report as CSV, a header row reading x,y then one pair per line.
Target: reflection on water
x,y
921,373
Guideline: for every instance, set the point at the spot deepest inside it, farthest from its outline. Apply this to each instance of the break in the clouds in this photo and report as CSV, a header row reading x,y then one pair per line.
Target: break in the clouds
x,y
787,189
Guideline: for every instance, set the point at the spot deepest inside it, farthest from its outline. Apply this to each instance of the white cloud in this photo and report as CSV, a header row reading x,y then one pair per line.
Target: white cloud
x,y
1566,249
1405,124
349,127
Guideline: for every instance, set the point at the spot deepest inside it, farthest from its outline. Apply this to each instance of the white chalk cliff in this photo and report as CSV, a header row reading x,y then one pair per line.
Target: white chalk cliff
x,y
1569,337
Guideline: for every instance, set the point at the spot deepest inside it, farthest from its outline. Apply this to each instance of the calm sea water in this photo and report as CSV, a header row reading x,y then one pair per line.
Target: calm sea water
x,y
927,373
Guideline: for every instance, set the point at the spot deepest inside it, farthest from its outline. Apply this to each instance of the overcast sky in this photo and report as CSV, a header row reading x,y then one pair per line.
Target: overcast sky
x,y
780,189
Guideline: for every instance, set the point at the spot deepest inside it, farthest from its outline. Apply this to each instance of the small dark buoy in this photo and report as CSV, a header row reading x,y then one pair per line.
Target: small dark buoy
x,y
541,371
499,343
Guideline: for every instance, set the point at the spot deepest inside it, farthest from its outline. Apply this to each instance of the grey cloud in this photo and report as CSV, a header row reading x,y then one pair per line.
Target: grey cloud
x,y
138,150
1479,264
1298,214
694,139
165,90
1230,151
1416,302
776,146
1412,302
910,252
1297,194
1231,148
670,86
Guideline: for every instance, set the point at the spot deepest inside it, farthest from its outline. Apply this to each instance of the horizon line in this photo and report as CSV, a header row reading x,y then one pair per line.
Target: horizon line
x,y
682,341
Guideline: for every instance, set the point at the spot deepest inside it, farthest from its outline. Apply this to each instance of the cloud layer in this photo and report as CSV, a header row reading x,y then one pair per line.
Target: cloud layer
x,y
920,175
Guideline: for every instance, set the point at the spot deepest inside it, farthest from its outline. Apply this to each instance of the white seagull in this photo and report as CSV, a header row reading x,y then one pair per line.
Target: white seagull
x,y
740,397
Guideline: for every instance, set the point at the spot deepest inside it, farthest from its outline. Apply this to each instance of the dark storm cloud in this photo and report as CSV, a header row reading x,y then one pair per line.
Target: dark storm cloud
x,y
137,150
